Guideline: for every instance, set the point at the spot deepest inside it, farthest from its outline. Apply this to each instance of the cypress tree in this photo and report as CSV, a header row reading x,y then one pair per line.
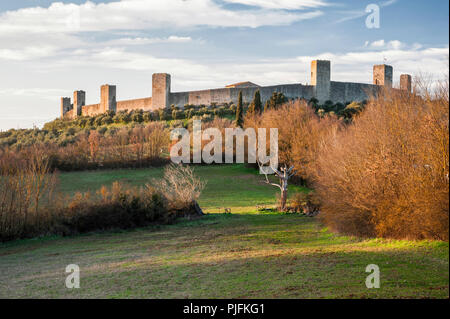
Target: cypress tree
x,y
239,111
257,104
281,99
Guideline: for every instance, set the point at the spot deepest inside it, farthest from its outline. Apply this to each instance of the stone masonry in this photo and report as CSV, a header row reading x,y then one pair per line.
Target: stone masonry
x,y
405,82
321,88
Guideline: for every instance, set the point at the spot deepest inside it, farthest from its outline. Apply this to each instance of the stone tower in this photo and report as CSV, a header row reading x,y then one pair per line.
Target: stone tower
x,y
405,82
79,100
382,75
320,78
65,105
108,100
160,90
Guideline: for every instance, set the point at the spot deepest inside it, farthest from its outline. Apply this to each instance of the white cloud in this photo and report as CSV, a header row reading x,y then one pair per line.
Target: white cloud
x,y
142,14
394,44
50,46
191,74
26,53
64,29
144,40
37,32
378,44
22,47
388,3
45,93
282,4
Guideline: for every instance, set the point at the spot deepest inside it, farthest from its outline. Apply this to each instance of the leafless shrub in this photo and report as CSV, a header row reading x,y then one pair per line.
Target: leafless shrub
x,y
26,193
180,186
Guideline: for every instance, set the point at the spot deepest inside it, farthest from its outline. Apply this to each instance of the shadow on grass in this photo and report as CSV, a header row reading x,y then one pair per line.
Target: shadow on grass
x,y
225,256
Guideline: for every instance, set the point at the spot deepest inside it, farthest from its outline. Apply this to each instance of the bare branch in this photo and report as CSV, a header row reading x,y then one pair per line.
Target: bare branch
x,y
265,174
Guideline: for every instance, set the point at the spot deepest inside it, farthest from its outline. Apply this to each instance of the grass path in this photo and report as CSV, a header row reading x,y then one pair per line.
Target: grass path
x,y
224,256
239,255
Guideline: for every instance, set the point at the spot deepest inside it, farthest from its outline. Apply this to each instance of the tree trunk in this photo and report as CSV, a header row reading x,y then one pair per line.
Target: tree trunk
x,y
198,210
283,200
283,174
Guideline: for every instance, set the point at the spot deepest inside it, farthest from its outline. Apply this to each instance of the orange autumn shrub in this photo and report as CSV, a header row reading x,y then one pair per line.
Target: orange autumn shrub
x,y
387,174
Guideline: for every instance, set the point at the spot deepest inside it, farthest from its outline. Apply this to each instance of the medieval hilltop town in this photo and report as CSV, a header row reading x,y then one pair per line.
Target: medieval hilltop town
x,y
321,88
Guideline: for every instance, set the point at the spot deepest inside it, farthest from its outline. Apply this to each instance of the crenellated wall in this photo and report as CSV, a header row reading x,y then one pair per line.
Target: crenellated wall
x,y
321,88
90,110
348,92
226,95
143,104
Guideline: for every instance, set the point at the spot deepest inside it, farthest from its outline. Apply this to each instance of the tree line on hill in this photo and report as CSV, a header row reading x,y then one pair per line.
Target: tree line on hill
x,y
63,132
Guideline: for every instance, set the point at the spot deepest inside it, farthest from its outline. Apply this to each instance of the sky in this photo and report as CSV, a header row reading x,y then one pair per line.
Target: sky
x,y
48,49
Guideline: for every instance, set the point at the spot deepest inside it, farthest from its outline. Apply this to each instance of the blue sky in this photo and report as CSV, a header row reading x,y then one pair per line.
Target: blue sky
x,y
48,49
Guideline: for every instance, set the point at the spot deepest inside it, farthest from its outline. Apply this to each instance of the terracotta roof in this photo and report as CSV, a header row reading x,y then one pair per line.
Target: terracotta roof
x,y
242,84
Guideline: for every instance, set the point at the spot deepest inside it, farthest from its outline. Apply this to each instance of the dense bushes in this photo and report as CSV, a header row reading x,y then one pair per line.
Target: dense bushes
x,y
120,207
29,205
387,174
138,146
138,116
345,111
384,173
26,194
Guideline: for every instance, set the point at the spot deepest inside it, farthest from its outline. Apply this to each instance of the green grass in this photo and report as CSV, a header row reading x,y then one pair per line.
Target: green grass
x,y
239,255
226,185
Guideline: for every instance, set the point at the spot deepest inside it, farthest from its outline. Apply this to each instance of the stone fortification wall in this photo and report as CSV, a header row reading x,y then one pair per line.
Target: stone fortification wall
x,y
348,91
226,95
136,104
90,110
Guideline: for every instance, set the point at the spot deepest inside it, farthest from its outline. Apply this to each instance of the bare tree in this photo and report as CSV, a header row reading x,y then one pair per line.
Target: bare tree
x,y
180,186
284,173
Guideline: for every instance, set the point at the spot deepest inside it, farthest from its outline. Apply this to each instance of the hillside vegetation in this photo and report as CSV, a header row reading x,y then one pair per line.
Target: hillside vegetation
x,y
63,132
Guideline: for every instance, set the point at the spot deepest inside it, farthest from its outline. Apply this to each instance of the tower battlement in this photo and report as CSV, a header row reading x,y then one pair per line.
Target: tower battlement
x,y
382,75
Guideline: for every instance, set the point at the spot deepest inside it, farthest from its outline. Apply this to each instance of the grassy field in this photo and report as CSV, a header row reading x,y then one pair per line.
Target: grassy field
x,y
239,255
232,186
